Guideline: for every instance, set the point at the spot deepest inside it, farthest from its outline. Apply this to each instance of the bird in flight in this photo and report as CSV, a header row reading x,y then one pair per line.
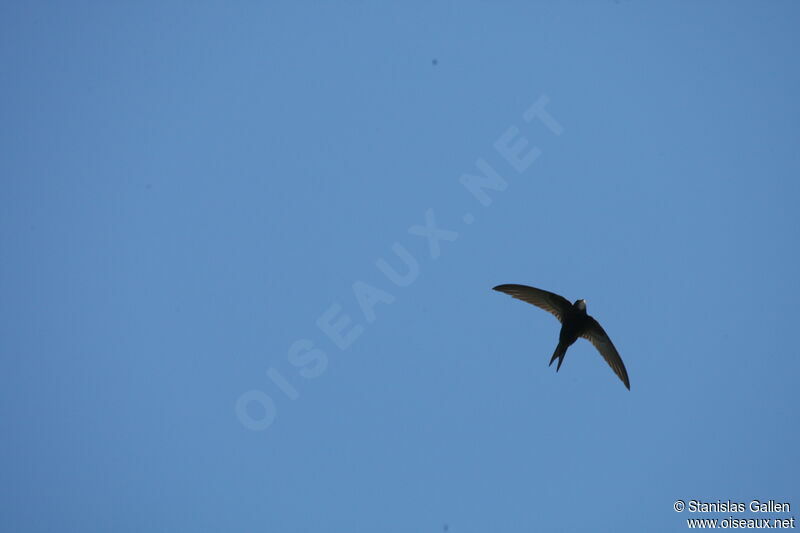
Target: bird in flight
x,y
574,323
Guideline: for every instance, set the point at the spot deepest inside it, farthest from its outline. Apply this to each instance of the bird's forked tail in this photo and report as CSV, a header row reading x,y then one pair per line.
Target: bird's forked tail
x,y
561,351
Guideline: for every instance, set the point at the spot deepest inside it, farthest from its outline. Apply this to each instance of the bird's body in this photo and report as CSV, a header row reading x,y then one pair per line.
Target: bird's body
x,y
575,323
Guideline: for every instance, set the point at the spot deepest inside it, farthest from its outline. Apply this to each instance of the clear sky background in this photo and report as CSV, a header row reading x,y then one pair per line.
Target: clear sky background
x,y
188,188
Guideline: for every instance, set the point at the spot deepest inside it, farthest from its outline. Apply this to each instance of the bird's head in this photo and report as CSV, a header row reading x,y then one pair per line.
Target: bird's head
x,y
580,305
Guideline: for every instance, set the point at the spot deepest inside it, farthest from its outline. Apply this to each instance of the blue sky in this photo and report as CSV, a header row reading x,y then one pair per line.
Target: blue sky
x,y
188,189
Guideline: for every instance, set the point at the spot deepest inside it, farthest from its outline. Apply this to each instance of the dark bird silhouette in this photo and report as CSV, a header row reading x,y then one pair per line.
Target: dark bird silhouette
x,y
574,323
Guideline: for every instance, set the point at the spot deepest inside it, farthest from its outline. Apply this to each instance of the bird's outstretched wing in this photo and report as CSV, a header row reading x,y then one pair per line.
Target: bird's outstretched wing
x,y
595,334
550,302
